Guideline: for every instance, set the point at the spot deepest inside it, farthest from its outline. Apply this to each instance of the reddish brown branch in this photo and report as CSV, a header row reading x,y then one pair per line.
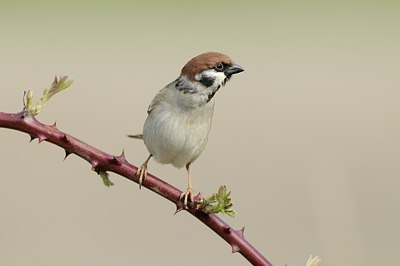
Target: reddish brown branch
x,y
102,161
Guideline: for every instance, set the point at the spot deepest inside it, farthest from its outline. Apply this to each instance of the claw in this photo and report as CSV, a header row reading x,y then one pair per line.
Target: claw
x,y
142,172
185,196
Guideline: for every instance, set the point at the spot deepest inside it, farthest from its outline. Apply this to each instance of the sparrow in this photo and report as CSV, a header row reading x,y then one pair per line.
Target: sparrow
x,y
179,117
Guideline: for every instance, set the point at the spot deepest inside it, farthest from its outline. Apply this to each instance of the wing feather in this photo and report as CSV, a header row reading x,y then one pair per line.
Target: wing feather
x,y
160,96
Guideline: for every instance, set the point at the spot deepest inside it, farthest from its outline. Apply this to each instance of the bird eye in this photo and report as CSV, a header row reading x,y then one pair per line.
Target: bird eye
x,y
219,67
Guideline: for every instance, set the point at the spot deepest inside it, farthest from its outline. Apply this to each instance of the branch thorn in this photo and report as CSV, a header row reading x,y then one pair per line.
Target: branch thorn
x,y
41,138
235,248
95,166
179,207
54,125
64,137
67,153
115,160
227,229
241,232
32,138
121,158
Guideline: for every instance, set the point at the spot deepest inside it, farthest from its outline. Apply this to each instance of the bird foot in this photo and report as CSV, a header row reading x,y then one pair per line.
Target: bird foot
x,y
142,173
185,196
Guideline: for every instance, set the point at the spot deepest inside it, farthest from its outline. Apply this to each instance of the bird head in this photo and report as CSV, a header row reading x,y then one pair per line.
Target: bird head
x,y
204,74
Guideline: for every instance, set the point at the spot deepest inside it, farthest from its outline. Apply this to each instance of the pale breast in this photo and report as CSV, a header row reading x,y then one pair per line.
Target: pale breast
x,y
177,136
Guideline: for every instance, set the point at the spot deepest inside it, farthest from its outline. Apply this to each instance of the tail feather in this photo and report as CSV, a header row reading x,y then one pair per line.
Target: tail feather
x,y
138,136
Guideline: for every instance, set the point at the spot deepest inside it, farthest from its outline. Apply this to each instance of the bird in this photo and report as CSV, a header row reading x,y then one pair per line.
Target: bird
x,y
179,116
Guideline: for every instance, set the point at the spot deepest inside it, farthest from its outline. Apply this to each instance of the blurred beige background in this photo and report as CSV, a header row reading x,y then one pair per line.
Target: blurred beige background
x,y
307,139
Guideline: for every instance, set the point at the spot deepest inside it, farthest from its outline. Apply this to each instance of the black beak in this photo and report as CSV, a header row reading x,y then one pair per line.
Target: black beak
x,y
234,69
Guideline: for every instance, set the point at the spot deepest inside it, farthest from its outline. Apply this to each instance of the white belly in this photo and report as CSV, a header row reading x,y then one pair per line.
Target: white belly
x,y
177,137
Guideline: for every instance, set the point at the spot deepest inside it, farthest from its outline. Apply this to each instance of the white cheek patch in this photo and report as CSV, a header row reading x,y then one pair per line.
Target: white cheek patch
x,y
218,77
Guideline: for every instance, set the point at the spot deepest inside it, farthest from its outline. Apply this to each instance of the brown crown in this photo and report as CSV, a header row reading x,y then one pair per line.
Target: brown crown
x,y
202,62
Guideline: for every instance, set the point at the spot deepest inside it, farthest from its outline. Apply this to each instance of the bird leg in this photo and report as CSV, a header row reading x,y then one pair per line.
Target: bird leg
x,y
189,192
142,171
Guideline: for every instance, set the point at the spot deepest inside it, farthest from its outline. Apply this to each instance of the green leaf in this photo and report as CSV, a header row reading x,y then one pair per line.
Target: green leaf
x,y
314,261
58,85
105,177
219,202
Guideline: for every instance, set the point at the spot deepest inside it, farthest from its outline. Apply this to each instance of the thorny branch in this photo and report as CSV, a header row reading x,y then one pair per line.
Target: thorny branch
x,y
102,162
